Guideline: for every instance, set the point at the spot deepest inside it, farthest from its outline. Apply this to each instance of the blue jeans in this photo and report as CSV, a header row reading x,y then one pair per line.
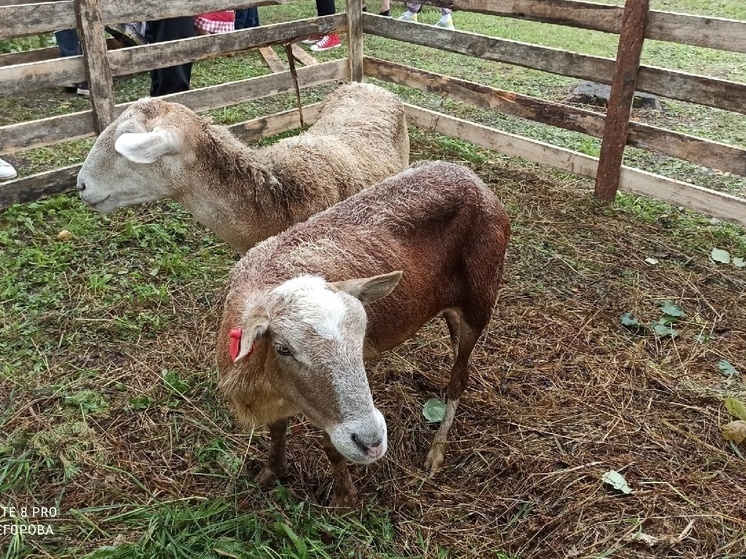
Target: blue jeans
x,y
248,17
68,43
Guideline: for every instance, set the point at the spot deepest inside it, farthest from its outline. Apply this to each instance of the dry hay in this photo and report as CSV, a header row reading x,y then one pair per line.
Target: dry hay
x,y
559,394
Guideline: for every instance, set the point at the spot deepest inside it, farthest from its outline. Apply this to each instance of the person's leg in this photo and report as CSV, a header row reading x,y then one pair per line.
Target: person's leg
x,y
69,45
174,78
446,21
411,13
6,171
326,8
248,17
67,42
385,8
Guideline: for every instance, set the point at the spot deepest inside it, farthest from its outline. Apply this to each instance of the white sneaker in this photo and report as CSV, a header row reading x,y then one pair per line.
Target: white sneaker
x,y
446,22
7,171
408,16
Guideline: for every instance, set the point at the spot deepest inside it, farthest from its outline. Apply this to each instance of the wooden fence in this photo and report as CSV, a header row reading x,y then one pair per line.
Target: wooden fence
x,y
35,69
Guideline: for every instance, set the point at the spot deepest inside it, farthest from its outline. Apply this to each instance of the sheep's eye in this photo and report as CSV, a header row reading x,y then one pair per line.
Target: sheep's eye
x,y
283,350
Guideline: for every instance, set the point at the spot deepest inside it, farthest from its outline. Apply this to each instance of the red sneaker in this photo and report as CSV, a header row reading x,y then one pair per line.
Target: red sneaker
x,y
327,42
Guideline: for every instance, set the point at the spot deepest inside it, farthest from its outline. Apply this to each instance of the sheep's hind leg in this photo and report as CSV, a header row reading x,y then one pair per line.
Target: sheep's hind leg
x,y
277,461
344,495
459,377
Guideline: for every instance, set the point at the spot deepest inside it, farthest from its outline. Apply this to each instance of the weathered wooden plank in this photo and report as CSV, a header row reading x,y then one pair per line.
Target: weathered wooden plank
x,y
264,127
37,18
355,39
160,55
48,183
58,181
29,77
272,60
721,94
711,154
710,202
302,56
100,82
35,55
56,129
622,93
702,31
712,92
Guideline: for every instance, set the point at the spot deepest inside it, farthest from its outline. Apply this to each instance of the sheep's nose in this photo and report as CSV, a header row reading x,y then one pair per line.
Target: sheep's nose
x,y
80,185
373,449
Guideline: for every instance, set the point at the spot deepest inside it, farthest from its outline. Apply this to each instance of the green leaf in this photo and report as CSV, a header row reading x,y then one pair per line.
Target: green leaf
x,y
727,369
670,309
140,402
617,481
662,329
434,410
739,262
720,255
702,338
630,321
736,408
173,382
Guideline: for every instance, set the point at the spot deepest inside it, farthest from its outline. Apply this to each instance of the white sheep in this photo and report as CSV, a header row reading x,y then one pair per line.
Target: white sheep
x,y
158,150
293,333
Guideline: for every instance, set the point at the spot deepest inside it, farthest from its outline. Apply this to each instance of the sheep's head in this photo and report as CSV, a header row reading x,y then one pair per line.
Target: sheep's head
x,y
315,333
140,157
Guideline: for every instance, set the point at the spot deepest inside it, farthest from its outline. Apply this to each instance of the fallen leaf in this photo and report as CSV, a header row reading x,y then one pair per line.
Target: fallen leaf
x,y
735,431
727,369
630,321
739,262
671,309
720,255
736,408
434,410
64,235
617,481
662,329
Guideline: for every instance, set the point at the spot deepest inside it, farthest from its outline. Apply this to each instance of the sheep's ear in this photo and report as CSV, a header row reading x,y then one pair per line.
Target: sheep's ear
x,y
255,326
146,147
370,289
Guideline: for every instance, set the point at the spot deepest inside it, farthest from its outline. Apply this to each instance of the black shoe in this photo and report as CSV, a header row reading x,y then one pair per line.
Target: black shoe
x,y
82,89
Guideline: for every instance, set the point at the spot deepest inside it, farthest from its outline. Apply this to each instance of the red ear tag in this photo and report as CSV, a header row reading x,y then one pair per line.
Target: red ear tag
x,y
235,343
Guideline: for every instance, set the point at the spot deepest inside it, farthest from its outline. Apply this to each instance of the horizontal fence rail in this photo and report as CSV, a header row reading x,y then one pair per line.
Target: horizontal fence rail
x,y
633,180
46,17
700,31
56,129
713,92
674,144
48,73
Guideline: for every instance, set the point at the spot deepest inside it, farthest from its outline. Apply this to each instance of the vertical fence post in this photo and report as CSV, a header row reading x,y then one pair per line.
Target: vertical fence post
x,y
355,39
631,38
100,82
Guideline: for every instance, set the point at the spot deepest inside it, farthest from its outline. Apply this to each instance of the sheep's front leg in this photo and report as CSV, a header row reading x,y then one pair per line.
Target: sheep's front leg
x,y
276,464
344,495
467,339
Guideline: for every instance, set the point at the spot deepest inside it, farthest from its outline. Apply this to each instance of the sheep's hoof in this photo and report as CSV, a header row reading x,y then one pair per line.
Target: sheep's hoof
x,y
344,500
267,478
435,457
